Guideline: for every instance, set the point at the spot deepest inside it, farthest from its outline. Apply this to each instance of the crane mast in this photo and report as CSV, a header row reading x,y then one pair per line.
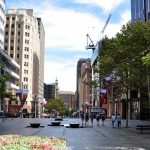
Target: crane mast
x,y
91,44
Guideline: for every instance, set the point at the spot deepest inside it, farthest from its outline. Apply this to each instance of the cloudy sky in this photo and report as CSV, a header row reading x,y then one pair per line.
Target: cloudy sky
x,y
66,23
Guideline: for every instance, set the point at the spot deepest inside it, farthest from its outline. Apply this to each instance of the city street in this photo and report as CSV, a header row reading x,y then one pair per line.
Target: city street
x,y
89,138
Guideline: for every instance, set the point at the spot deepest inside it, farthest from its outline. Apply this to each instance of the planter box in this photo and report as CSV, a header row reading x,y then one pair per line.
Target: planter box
x,y
74,125
35,125
55,123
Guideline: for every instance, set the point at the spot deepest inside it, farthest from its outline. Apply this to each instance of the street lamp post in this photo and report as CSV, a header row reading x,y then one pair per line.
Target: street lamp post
x,y
35,100
22,100
114,78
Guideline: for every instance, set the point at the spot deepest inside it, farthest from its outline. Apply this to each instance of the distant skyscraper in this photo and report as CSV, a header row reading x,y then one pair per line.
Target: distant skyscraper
x,y
140,10
25,42
51,90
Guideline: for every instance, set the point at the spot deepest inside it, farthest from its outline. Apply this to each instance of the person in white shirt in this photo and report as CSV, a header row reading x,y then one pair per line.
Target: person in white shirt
x,y
113,119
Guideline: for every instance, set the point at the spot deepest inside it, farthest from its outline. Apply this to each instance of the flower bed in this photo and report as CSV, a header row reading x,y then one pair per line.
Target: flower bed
x,y
18,142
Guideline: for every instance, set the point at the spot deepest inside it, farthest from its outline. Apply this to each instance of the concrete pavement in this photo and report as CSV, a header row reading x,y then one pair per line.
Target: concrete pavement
x,y
89,138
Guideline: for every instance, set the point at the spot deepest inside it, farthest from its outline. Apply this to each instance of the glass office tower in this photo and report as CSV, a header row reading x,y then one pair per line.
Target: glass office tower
x,y
140,10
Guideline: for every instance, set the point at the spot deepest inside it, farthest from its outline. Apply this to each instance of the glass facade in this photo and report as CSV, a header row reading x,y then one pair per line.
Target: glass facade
x,y
140,10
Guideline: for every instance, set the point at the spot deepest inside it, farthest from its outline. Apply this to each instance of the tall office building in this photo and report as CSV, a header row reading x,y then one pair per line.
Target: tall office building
x,y
10,67
79,80
140,10
25,42
68,98
51,90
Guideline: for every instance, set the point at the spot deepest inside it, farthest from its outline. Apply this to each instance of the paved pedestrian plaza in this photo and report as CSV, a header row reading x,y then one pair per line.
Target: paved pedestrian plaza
x,y
82,138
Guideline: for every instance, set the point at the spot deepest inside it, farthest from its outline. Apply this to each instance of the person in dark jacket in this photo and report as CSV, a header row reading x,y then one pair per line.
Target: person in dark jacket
x,y
103,119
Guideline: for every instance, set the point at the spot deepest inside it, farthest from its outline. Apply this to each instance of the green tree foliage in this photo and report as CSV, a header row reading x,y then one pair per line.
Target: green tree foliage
x,y
125,55
3,79
55,105
146,59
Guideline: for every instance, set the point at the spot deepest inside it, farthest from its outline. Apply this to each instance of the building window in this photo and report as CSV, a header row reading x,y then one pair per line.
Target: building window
x,y
6,40
6,33
6,26
11,48
5,48
19,25
11,55
13,18
12,32
26,41
12,25
18,48
18,32
17,55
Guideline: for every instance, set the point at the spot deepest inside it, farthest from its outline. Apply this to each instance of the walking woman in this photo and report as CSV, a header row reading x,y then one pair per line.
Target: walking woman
x,y
91,118
103,119
97,118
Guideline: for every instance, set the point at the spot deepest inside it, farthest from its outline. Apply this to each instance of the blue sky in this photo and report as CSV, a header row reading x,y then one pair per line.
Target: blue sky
x,y
66,23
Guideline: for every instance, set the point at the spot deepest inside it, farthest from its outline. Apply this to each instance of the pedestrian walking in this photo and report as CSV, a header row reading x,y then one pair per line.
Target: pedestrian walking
x,y
86,118
113,119
92,118
82,116
103,119
97,118
119,120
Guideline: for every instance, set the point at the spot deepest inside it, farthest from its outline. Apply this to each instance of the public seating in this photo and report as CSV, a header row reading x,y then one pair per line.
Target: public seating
x,y
143,127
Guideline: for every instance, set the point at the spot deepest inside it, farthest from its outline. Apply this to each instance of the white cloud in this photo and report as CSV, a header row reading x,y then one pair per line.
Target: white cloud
x,y
67,29
106,5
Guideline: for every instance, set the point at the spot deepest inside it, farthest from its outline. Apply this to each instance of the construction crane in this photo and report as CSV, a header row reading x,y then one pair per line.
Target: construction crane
x,y
90,43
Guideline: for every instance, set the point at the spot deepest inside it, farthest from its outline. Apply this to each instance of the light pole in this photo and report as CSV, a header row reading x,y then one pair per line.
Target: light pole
x,y
22,100
35,100
113,81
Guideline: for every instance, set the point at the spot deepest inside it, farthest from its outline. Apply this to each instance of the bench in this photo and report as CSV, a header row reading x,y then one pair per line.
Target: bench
x,y
143,127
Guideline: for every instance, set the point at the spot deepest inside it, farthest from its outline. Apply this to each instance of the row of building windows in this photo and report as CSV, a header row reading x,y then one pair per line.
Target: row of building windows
x,y
7,25
26,41
16,102
19,26
12,33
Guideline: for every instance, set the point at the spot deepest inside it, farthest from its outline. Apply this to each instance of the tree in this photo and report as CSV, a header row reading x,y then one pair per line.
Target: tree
x,y
123,54
55,105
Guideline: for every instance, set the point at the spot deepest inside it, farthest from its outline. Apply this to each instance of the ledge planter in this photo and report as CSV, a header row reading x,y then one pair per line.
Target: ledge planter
x,y
55,123
35,125
74,125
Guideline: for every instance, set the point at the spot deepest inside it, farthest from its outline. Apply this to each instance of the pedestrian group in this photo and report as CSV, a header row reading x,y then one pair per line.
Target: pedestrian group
x,y
85,117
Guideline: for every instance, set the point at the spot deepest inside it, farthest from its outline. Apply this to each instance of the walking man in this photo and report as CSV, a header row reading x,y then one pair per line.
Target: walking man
x,y
97,118
103,119
119,120
113,119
